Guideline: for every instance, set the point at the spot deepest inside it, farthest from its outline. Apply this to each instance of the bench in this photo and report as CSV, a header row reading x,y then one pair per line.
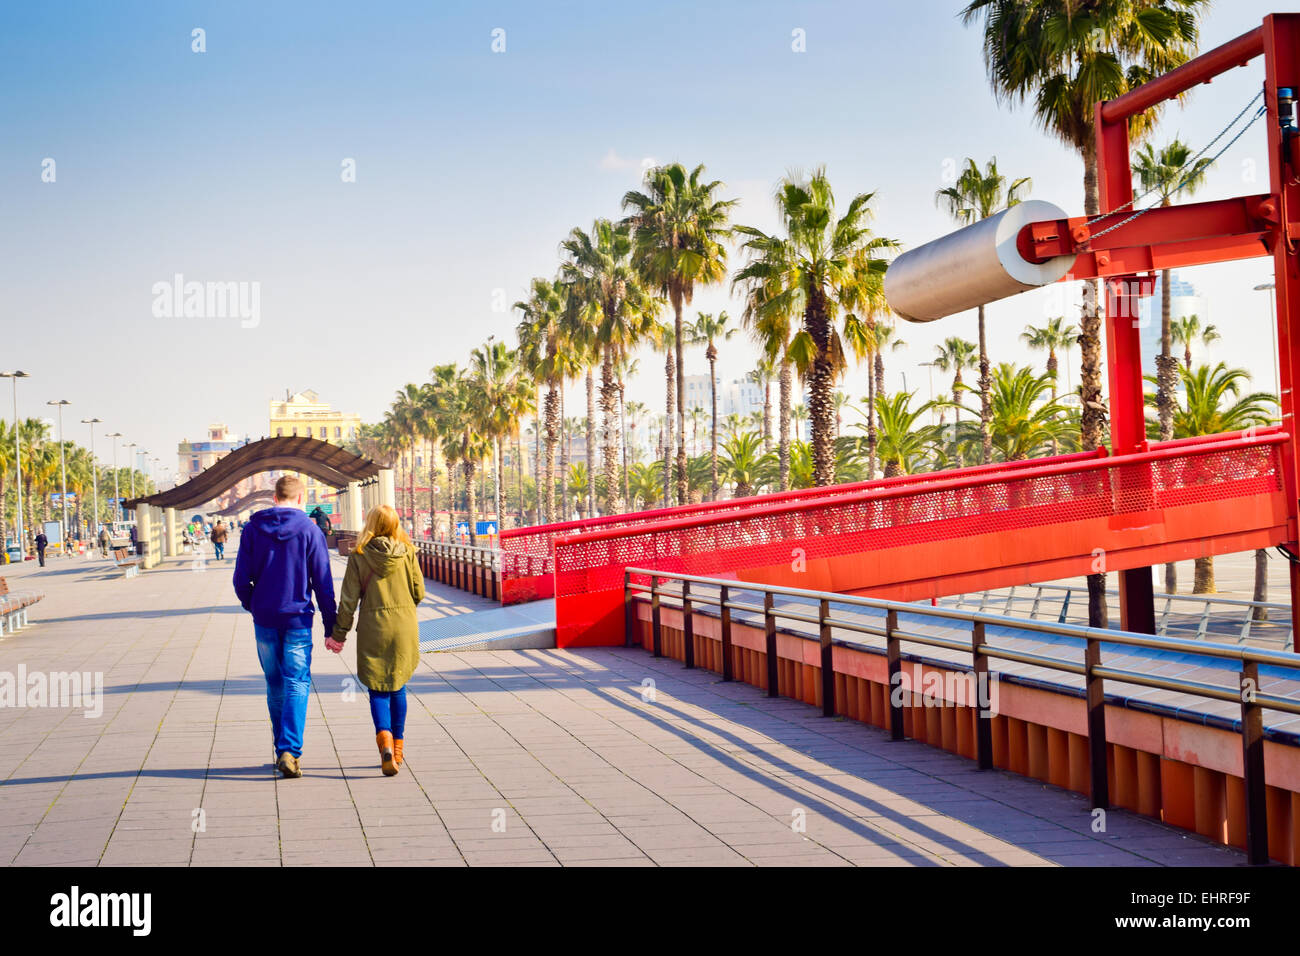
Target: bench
x,y
14,605
130,565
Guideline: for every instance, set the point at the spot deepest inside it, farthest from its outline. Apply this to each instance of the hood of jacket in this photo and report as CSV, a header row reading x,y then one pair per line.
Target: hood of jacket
x,y
281,523
384,555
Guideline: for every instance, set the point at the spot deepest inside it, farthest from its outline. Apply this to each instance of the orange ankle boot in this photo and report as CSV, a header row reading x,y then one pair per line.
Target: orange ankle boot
x,y
385,741
397,751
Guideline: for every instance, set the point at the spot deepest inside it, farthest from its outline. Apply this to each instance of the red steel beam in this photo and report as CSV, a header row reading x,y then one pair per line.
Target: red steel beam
x,y
1204,68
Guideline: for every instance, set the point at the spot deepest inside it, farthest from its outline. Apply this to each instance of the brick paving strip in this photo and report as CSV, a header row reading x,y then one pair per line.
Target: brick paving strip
x,y
603,757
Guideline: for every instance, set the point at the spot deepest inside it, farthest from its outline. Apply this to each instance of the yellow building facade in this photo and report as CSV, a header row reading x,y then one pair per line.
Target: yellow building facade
x,y
305,414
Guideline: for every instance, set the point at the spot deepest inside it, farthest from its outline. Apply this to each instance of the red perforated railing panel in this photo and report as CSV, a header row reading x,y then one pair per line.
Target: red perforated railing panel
x,y
1053,494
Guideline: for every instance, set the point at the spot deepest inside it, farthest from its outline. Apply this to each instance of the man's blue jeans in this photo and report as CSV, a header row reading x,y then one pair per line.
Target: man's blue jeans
x,y
219,549
285,656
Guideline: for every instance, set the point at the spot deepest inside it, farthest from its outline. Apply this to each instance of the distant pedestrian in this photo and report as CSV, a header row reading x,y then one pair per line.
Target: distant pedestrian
x,y
219,532
135,540
104,541
383,585
42,542
282,561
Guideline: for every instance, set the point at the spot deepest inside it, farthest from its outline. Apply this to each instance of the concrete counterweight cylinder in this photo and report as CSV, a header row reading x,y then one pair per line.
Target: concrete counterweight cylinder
x,y
973,266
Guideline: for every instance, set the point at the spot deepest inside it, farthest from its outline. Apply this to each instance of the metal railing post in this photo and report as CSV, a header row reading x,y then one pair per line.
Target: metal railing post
x,y
983,719
769,633
894,658
828,668
724,594
656,633
688,626
1095,693
1252,766
629,622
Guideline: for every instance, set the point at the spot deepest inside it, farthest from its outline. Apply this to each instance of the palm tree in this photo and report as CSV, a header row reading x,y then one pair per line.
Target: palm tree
x,y
505,398
977,195
954,355
1168,171
707,331
1213,403
1186,331
542,346
880,337
1048,338
621,314
902,444
1027,418
743,462
407,415
828,272
679,227
1067,57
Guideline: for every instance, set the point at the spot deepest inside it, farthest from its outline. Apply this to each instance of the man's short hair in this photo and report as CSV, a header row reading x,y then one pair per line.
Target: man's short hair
x,y
288,488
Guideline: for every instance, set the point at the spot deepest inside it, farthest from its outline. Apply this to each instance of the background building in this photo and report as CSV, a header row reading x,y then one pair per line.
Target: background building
x,y
193,457
304,414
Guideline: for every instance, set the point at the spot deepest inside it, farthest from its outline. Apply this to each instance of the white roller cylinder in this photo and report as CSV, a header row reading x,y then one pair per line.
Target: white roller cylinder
x,y
973,266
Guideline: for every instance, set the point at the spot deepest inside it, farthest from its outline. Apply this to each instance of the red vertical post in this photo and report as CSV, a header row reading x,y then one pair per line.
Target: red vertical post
x,y
1124,359
1282,69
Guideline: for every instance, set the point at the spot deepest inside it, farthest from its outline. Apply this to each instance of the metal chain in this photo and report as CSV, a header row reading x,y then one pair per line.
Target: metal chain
x,y
1183,182
1191,162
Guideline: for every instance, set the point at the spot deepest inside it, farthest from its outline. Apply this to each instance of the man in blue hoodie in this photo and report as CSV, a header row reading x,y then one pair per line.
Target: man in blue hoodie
x,y
282,560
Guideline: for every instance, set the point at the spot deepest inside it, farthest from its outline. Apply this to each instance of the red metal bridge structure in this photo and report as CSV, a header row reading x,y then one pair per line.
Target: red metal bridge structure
x,y
1120,509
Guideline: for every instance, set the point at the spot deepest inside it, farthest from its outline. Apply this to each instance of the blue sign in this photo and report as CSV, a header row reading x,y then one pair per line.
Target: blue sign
x,y
481,528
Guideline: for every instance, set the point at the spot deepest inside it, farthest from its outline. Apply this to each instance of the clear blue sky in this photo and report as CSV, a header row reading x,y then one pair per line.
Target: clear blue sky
x,y
471,166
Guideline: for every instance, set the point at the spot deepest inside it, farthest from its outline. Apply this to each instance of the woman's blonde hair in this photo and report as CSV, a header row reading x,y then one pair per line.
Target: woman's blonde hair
x,y
382,522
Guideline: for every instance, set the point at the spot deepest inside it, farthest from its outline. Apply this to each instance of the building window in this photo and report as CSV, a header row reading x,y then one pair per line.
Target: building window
x,y
338,432
279,433
295,431
322,432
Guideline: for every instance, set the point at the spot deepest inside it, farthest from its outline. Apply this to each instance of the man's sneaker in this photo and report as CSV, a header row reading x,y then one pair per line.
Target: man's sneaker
x,y
288,765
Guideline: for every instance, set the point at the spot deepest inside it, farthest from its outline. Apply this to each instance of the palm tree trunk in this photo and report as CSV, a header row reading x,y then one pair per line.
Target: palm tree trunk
x,y
956,419
591,442
501,483
679,344
873,435
821,408
767,416
472,515
622,440
713,399
552,436
1261,585
608,407
986,385
519,473
1093,411
565,442
783,402
1203,576
666,433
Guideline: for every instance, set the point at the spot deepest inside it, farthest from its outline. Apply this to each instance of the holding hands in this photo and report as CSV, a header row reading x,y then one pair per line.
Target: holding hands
x,y
333,645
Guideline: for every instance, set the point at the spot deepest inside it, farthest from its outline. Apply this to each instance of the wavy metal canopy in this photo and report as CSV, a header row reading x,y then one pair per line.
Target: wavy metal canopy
x,y
263,495
309,456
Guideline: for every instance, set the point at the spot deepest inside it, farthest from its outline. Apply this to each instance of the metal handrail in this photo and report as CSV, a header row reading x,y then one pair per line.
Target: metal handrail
x,y
1094,673
1204,601
956,482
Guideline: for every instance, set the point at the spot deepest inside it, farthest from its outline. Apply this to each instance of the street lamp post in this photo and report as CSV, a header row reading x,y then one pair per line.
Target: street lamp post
x,y
94,476
133,446
18,460
63,471
117,497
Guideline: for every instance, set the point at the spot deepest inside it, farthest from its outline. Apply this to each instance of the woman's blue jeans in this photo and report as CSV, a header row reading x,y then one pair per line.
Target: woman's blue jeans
x,y
388,710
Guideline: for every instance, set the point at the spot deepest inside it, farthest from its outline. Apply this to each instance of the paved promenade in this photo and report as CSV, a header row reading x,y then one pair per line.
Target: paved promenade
x,y
535,757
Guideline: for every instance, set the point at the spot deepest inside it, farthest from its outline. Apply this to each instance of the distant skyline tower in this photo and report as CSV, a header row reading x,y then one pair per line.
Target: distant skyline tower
x,y
1184,301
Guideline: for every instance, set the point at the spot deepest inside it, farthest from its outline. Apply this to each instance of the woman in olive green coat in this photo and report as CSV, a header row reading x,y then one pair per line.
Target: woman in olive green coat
x,y
382,586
